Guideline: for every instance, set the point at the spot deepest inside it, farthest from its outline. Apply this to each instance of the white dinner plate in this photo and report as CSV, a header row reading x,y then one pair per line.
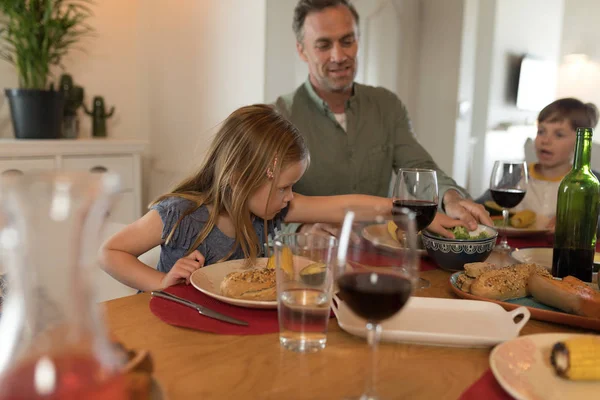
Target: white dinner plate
x,y
539,255
380,237
208,281
441,322
538,228
522,367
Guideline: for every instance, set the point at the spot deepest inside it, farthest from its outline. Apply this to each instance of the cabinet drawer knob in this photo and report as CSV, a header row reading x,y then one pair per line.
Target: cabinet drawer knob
x,y
12,172
99,169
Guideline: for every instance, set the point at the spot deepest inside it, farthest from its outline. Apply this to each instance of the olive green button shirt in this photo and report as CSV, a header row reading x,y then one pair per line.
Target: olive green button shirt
x,y
378,140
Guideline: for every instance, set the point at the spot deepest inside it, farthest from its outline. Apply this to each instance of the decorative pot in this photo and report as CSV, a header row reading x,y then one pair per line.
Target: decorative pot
x,y
36,114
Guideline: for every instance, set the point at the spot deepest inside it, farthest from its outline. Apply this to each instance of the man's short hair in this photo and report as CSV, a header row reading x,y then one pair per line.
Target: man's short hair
x,y
305,7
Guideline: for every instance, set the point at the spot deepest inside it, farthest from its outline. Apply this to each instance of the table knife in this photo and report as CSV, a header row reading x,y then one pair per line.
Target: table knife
x,y
201,309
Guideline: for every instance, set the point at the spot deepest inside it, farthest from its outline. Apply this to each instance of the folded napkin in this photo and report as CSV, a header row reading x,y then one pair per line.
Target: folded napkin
x,y
486,387
259,321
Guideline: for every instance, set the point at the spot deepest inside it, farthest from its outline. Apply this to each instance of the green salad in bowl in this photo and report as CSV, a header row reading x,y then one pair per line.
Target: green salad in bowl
x,y
462,233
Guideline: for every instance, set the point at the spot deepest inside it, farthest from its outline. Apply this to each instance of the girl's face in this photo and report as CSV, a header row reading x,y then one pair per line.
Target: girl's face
x,y
555,143
282,192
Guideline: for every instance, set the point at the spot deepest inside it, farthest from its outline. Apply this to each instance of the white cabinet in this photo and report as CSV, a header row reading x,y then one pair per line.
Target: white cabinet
x,y
98,155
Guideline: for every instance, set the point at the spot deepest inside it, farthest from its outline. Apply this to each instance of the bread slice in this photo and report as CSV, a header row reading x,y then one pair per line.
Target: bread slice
x,y
570,295
475,269
253,284
506,283
463,282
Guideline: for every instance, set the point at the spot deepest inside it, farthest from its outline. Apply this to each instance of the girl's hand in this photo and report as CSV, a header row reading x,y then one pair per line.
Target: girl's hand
x,y
441,222
183,269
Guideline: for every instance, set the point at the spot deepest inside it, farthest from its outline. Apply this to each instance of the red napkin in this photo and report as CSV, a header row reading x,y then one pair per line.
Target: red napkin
x,y
486,387
259,321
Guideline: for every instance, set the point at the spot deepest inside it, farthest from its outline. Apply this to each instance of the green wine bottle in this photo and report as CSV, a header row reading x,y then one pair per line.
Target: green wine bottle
x,y
577,215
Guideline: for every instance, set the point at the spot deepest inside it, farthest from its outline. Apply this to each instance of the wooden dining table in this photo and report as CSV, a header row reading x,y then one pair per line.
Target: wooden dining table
x,y
190,364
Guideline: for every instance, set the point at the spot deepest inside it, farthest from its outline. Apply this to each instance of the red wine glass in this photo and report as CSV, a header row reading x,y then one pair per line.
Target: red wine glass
x,y
417,190
375,280
508,186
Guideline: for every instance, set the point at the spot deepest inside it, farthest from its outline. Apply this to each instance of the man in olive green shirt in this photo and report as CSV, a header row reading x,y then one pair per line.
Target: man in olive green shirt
x,y
357,134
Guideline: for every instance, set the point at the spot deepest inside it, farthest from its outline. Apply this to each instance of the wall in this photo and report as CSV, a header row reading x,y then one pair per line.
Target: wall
x,y
173,74
531,27
512,28
284,70
441,38
579,76
108,65
206,59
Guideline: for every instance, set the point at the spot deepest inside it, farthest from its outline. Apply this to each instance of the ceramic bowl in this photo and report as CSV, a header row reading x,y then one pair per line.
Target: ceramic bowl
x,y
453,254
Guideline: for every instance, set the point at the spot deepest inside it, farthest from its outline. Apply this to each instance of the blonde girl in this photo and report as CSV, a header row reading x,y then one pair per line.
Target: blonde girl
x,y
241,194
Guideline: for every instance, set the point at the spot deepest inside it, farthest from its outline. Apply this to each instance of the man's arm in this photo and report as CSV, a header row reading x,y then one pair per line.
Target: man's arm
x,y
409,153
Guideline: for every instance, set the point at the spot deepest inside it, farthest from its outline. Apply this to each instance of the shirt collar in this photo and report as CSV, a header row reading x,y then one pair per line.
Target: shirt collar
x,y
319,102
535,175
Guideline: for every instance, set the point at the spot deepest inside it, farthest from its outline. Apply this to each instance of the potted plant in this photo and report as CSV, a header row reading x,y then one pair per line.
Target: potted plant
x,y
35,35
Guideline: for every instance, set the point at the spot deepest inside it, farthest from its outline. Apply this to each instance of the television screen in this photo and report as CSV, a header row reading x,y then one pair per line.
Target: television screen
x,y
537,84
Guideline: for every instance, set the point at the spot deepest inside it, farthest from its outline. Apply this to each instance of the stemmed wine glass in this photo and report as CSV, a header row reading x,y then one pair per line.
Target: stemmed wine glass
x,y
417,190
508,186
376,280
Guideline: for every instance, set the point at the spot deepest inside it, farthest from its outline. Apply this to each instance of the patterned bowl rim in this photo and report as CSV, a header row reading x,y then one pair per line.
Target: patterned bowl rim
x,y
433,236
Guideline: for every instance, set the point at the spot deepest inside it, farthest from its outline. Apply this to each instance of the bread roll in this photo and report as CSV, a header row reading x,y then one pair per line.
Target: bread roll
x,y
570,295
253,284
506,283
475,269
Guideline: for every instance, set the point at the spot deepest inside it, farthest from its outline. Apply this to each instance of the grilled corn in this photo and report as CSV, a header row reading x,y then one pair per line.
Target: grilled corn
x,y
577,358
523,219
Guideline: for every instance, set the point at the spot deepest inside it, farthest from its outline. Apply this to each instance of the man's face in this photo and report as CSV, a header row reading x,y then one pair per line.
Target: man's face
x,y
329,47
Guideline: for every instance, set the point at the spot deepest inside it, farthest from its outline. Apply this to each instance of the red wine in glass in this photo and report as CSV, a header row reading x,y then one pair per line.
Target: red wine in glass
x,y
374,296
508,185
507,198
424,210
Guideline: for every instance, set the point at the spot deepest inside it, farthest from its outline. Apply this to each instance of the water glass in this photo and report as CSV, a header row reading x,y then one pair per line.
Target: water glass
x,y
305,275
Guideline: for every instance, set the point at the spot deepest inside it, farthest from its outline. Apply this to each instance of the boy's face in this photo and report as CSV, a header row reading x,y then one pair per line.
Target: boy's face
x,y
282,192
555,143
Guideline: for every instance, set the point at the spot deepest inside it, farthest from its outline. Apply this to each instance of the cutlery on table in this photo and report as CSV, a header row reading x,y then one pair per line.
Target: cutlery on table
x,y
201,309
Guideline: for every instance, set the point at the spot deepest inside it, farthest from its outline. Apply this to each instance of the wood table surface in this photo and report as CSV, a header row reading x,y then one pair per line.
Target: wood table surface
x,y
197,365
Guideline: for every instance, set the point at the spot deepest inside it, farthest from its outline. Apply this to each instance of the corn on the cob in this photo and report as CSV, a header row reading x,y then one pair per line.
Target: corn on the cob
x,y
577,358
523,219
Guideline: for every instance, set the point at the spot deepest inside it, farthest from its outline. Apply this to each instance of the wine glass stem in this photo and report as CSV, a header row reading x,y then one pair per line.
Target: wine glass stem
x,y
373,336
503,240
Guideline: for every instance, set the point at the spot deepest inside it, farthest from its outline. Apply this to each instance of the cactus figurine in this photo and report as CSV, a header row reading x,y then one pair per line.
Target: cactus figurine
x,y
99,116
73,100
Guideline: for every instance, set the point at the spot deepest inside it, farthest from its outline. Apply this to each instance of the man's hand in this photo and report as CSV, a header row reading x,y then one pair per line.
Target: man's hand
x,y
469,212
441,222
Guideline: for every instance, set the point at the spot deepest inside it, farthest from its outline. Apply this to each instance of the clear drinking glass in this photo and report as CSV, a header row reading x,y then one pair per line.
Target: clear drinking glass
x,y
375,280
417,190
508,186
53,341
305,268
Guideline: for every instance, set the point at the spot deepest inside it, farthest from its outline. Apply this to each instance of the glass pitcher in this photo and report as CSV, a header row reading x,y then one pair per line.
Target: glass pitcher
x,y
53,342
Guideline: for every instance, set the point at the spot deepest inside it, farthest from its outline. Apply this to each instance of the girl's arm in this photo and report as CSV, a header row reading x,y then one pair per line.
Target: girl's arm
x,y
331,209
119,254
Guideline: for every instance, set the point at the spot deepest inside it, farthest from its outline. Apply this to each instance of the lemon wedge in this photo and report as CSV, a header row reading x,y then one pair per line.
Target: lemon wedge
x,y
287,261
392,227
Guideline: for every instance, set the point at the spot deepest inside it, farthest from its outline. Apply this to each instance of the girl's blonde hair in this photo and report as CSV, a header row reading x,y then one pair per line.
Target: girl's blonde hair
x,y
252,146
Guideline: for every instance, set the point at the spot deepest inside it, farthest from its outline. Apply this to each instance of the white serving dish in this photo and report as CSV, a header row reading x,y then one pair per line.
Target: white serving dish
x,y
442,322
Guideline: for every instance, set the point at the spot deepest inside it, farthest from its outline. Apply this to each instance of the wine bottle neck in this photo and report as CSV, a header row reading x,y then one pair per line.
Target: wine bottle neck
x,y
583,149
